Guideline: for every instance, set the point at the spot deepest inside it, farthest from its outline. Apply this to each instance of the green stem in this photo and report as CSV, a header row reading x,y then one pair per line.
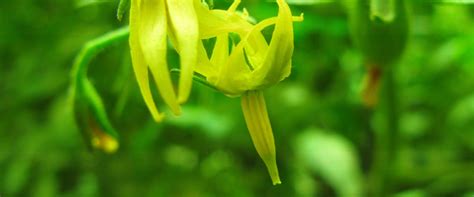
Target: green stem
x,y
392,130
92,48
197,78
381,176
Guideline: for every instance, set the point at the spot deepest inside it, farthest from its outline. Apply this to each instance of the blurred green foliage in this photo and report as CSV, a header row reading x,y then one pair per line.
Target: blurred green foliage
x,y
324,136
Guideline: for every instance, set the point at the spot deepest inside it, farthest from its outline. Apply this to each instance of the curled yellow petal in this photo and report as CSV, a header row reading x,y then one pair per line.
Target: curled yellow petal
x,y
184,26
139,65
257,48
277,63
217,22
152,38
258,123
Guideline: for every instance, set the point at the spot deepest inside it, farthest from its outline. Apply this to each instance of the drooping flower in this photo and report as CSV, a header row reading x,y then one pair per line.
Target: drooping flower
x,y
151,23
253,63
251,66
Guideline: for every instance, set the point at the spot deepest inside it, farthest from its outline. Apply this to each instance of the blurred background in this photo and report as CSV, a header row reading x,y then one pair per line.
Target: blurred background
x,y
326,139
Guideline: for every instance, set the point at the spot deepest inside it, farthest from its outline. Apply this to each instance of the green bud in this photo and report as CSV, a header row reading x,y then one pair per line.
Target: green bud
x,y
91,118
89,110
379,28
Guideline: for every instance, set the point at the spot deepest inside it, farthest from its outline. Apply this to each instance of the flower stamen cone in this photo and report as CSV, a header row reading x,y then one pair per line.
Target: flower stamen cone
x,y
258,123
277,63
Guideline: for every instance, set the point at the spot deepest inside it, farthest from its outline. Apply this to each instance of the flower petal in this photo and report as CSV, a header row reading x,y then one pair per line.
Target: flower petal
x,y
152,39
258,123
139,65
217,22
220,53
204,66
184,26
277,63
233,77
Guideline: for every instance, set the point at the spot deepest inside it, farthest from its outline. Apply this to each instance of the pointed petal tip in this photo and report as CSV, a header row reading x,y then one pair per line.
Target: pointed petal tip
x,y
176,110
273,171
299,18
158,117
277,182
182,99
185,88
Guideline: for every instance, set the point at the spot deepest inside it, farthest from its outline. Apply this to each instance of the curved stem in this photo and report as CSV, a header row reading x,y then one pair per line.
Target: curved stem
x,y
92,48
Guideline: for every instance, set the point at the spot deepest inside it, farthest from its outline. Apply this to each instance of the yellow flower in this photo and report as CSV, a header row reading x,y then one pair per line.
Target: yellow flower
x,y
151,23
251,66
253,63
